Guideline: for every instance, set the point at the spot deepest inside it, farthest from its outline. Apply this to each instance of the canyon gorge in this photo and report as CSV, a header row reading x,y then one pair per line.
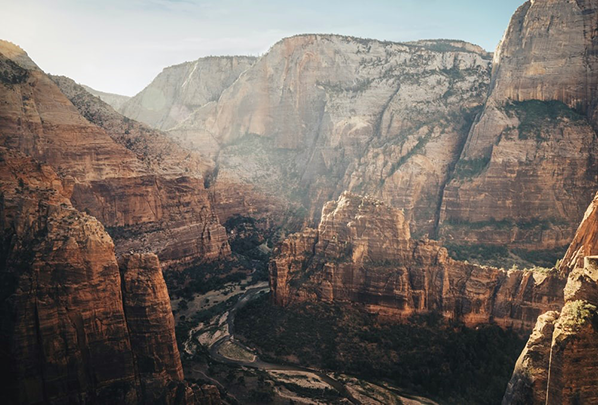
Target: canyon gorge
x,y
415,179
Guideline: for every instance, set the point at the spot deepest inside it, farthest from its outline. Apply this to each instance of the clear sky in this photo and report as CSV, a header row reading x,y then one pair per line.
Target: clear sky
x,y
119,46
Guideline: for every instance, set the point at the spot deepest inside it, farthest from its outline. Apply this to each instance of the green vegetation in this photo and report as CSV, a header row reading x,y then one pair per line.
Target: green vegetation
x,y
545,258
501,256
478,253
535,115
425,355
577,313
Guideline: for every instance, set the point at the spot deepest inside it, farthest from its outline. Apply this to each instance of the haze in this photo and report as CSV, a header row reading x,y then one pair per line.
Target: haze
x,y
120,46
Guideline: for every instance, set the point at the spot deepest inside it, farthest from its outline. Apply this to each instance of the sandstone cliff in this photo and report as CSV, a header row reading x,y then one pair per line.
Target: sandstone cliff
x,y
362,252
319,114
559,364
585,242
530,165
75,328
133,179
181,89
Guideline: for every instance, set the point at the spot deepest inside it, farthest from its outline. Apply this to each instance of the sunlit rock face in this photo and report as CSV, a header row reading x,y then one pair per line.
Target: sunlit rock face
x,y
77,327
132,178
320,114
529,167
362,252
181,89
559,364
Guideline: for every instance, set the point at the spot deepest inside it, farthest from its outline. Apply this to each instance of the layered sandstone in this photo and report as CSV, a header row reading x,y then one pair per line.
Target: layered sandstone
x,y
362,252
181,89
319,114
529,167
559,364
75,328
585,242
132,178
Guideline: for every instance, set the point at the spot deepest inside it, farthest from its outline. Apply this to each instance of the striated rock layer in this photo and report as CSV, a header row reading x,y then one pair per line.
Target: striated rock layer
x,y
320,114
130,177
559,364
362,252
529,167
75,328
585,242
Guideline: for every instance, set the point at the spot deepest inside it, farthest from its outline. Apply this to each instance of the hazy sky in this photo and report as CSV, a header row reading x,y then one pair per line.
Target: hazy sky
x,y
121,45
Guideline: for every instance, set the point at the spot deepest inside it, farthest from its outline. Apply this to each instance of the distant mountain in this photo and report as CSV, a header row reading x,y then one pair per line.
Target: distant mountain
x,y
181,89
115,100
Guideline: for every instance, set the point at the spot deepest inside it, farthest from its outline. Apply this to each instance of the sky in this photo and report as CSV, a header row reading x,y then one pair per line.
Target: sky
x,y
119,46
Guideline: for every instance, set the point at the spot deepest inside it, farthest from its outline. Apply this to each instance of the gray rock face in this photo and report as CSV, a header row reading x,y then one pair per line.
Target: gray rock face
x,y
181,89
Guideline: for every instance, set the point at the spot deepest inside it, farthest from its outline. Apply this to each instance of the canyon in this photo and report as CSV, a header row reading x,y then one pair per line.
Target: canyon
x,y
465,142
372,168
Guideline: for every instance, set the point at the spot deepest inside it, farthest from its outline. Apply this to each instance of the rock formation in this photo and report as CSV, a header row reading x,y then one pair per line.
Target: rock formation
x,y
75,328
181,89
320,114
114,100
585,242
530,165
132,178
362,252
559,364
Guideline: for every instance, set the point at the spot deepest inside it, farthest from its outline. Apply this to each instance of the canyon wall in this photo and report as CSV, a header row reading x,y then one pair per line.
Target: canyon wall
x,y
474,152
319,114
132,178
363,252
76,327
530,165
559,364
181,89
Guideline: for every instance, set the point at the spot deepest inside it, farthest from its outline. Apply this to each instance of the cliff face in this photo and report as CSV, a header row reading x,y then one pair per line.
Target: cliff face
x,y
132,178
75,328
181,89
585,242
560,361
549,53
362,252
319,114
529,167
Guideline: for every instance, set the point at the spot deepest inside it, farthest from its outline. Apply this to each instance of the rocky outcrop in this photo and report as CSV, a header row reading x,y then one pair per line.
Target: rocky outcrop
x,y
132,178
560,361
114,100
530,166
559,364
181,89
585,242
75,328
362,252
